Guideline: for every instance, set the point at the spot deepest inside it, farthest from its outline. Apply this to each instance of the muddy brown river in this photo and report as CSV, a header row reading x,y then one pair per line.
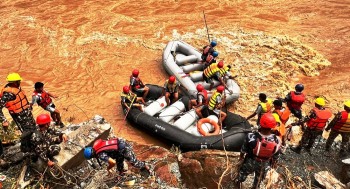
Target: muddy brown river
x,y
84,51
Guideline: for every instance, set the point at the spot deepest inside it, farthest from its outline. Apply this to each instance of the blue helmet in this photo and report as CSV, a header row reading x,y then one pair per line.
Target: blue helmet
x,y
299,87
213,43
88,152
215,54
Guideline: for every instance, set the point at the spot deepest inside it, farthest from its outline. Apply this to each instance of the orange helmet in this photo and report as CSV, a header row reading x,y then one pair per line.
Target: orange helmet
x,y
200,88
221,64
220,88
43,119
135,72
268,121
172,79
126,89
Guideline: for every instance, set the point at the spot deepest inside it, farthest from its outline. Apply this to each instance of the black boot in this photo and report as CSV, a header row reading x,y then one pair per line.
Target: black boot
x,y
296,149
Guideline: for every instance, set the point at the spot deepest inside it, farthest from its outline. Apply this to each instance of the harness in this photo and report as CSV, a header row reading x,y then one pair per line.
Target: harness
x,y
137,82
204,94
129,97
44,98
20,103
171,87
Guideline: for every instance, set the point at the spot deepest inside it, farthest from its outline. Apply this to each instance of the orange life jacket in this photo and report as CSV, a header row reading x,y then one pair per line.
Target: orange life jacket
x,y
320,121
343,125
105,145
296,100
45,99
283,114
265,149
20,103
204,93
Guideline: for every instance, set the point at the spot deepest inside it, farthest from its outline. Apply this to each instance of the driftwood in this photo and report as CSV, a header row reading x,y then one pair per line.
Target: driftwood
x,y
20,181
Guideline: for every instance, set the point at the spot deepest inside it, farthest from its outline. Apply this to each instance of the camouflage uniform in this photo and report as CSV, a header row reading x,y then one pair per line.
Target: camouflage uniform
x,y
344,139
309,137
24,120
124,152
252,163
45,143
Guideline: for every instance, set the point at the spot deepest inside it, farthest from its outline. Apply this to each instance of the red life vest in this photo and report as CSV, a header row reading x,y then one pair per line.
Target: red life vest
x,y
343,125
137,82
204,93
45,99
210,59
321,119
296,100
105,145
265,149
206,50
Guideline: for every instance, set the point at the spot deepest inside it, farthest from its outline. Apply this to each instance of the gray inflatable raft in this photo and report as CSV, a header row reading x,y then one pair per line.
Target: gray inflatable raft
x,y
188,70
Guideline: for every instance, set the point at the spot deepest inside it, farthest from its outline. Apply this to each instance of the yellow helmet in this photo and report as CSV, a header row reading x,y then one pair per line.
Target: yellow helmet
x,y
347,103
320,101
277,118
13,77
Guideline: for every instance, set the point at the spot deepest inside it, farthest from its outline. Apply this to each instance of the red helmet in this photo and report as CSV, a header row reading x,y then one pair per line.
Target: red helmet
x,y
126,89
268,121
172,79
43,119
200,88
135,72
221,64
220,88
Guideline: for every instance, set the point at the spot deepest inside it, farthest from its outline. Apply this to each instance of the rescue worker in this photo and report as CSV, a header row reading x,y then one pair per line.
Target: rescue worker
x,y
200,101
260,151
43,99
15,100
213,72
137,86
113,152
208,50
130,99
283,112
216,102
316,121
210,59
280,129
264,106
295,100
171,90
340,125
46,140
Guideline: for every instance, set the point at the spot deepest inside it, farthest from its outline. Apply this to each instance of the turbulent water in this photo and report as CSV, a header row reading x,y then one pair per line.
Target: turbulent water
x,y
84,51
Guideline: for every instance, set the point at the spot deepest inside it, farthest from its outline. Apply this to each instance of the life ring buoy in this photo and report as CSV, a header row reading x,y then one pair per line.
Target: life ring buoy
x,y
212,122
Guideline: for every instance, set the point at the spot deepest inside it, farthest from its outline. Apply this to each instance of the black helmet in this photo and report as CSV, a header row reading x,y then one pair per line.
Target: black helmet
x,y
299,87
38,85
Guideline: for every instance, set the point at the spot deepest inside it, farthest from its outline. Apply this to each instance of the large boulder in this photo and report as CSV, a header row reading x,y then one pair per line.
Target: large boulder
x,y
204,168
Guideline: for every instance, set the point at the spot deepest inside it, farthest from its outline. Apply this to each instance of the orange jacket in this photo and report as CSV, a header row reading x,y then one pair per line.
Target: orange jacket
x,y
20,103
343,125
320,121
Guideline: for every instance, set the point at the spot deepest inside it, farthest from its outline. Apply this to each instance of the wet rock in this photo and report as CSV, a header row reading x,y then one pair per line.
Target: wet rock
x,y
327,180
204,168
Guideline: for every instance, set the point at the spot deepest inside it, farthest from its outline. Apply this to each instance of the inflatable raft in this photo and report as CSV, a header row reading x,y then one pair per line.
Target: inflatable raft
x,y
183,61
178,126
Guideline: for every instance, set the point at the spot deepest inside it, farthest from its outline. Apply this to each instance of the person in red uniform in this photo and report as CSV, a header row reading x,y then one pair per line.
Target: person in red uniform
x,y
43,99
295,100
316,121
137,86
340,125
114,152
171,90
260,151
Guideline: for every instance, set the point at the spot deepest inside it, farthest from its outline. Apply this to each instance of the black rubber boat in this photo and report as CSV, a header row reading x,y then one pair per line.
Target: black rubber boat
x,y
186,137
